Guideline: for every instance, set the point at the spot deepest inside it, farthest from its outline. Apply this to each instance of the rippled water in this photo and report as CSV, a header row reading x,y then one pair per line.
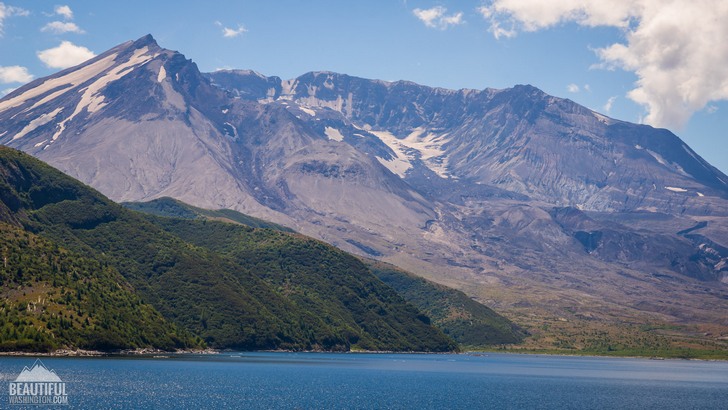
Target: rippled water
x,y
382,381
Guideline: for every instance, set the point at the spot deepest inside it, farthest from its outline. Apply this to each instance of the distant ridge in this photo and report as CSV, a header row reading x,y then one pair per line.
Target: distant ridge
x,y
170,207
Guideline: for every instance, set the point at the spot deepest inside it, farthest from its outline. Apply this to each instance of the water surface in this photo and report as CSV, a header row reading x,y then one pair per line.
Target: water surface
x,y
382,381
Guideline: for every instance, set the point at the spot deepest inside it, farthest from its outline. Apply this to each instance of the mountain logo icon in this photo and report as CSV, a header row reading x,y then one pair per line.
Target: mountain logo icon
x,y
37,385
38,373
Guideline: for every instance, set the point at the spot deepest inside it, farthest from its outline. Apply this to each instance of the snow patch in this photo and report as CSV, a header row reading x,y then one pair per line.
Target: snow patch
x,y
91,99
700,194
229,127
638,146
675,189
334,134
312,101
428,147
657,157
162,74
401,163
663,162
308,111
686,149
287,87
40,143
329,83
225,111
398,166
67,82
38,122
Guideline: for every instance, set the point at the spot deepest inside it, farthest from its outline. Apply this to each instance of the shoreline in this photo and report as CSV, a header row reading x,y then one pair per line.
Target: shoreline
x,y
162,354
98,353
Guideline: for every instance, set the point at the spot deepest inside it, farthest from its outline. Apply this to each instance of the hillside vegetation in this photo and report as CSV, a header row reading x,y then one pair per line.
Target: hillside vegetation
x,y
266,290
468,322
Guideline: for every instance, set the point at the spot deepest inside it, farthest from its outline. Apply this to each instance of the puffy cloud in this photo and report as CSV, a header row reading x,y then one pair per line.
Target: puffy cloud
x,y
436,17
64,11
532,15
65,55
572,88
676,48
14,74
10,11
59,27
228,32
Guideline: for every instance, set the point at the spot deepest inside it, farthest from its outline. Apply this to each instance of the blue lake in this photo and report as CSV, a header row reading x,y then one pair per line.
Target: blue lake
x,y
381,381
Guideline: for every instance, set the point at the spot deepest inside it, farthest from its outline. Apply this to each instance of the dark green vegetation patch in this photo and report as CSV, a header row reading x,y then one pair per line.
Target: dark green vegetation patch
x,y
468,322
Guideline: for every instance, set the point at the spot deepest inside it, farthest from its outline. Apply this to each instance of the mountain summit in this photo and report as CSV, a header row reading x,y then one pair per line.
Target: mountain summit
x,y
541,207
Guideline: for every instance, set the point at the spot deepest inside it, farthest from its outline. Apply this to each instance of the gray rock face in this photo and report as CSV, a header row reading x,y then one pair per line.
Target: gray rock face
x,y
528,202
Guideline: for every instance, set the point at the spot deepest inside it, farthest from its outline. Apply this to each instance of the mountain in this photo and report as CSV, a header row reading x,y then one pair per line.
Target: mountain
x,y
468,322
558,216
54,297
279,291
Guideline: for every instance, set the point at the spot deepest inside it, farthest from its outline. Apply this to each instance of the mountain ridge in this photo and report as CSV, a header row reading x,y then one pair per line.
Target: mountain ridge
x,y
462,187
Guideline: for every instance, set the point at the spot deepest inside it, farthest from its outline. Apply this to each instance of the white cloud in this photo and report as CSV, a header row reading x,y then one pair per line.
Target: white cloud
x,y
7,91
65,55
10,11
676,48
587,88
572,88
609,103
14,74
711,109
59,27
228,32
496,23
532,15
64,11
436,17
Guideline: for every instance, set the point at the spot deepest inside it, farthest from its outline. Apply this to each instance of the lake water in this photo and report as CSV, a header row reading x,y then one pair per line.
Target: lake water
x,y
380,381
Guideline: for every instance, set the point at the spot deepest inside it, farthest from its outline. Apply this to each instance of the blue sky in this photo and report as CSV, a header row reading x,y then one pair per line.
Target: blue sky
x,y
661,62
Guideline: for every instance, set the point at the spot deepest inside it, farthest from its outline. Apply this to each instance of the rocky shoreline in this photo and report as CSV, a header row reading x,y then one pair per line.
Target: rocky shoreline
x,y
97,353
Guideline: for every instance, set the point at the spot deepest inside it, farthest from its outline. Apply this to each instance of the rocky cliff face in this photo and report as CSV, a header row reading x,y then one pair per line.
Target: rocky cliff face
x,y
529,202
518,139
